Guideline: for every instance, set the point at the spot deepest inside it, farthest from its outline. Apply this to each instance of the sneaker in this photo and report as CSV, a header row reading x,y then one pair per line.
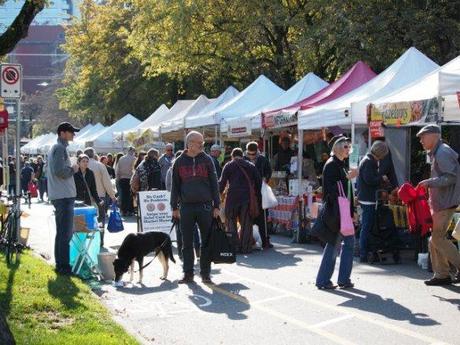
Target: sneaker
x,y
348,285
187,279
206,279
438,281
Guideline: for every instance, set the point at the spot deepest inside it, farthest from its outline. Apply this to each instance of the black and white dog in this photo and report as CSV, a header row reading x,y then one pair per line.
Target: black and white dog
x,y
136,246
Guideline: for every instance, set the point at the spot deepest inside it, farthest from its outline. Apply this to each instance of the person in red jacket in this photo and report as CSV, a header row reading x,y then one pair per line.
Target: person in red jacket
x,y
444,188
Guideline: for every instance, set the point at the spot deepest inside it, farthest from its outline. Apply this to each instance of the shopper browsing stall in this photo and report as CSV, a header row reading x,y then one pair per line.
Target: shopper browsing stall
x,y
444,187
335,173
369,181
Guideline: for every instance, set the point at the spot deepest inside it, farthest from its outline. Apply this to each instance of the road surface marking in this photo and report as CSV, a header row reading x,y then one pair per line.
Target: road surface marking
x,y
269,299
339,309
282,316
332,321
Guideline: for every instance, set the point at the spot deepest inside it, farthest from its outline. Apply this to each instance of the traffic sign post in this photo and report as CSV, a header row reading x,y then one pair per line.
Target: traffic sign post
x,y
11,80
11,88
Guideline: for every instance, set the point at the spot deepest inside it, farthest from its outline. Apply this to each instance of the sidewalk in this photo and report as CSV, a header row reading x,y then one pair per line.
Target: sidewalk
x,y
270,297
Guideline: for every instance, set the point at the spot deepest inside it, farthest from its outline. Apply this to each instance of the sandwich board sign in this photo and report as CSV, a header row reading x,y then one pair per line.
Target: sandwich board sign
x,y
155,211
11,80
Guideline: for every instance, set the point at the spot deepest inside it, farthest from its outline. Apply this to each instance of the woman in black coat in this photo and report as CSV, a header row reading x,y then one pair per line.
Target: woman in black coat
x,y
85,182
335,171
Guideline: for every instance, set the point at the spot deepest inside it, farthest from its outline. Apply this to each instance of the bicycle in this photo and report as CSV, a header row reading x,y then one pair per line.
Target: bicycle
x,y
9,239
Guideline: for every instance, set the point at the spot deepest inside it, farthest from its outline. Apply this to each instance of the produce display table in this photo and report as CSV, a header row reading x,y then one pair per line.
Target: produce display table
x,y
285,212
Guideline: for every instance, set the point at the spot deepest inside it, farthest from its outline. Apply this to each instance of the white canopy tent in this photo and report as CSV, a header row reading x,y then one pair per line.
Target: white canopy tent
x,y
206,116
249,103
104,141
79,141
304,88
31,145
409,67
178,121
154,119
444,81
45,145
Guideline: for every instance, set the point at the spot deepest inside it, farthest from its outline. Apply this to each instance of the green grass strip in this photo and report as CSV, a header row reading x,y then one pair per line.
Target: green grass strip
x,y
43,308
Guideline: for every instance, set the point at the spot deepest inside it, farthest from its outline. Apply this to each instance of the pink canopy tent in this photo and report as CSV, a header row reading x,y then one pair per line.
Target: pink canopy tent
x,y
356,76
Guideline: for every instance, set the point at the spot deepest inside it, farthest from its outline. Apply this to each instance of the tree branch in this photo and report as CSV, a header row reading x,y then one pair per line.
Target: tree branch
x,y
19,29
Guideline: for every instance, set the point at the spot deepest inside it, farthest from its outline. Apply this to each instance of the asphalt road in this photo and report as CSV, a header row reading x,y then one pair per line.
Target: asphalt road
x,y
269,297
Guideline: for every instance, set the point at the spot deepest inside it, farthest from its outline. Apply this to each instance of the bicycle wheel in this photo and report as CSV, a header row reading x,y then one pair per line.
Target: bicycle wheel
x,y
11,248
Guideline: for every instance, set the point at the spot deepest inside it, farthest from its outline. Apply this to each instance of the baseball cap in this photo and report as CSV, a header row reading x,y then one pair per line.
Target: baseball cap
x,y
337,139
216,147
66,127
429,129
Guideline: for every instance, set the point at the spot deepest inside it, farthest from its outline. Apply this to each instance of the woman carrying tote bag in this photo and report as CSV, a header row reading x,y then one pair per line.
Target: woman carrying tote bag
x,y
335,176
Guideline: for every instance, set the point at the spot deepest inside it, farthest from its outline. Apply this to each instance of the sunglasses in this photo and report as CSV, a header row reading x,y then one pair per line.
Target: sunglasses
x,y
346,146
251,153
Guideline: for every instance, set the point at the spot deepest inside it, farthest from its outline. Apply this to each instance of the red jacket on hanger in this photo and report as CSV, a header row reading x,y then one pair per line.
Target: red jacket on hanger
x,y
418,209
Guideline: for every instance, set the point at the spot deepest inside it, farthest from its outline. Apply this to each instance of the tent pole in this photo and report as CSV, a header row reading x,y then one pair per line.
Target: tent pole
x,y
215,135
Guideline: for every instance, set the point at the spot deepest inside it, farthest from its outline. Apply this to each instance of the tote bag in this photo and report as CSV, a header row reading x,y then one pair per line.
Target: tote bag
x,y
221,244
346,222
115,223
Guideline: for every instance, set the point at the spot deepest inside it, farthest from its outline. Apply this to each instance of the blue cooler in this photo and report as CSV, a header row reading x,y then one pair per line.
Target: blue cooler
x,y
90,214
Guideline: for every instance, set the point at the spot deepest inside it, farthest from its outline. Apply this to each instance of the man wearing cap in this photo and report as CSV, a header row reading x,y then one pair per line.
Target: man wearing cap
x,y
444,188
216,151
165,162
370,179
62,193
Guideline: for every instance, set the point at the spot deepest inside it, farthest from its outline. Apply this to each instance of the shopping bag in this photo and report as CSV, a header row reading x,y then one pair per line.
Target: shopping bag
x,y
268,197
346,221
221,244
115,223
32,188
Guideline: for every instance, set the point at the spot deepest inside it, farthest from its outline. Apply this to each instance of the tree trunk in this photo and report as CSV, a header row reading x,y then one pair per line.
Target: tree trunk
x,y
20,26
6,338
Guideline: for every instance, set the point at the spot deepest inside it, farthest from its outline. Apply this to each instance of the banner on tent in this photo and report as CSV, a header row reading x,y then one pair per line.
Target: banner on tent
x,y
403,113
279,120
237,129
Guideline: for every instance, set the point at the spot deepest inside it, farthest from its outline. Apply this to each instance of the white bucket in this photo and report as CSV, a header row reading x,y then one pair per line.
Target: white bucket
x,y
105,261
422,260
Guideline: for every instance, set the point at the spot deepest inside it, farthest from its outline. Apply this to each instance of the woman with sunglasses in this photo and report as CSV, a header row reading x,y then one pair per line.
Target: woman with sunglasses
x,y
334,172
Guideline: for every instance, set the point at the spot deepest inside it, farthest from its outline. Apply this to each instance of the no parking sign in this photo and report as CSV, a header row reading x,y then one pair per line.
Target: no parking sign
x,y
11,80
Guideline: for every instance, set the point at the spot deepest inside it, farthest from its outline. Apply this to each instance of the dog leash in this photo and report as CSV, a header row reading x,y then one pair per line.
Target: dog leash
x,y
161,246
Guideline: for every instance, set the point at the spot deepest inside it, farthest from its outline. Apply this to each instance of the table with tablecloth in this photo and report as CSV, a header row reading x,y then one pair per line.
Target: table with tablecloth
x,y
286,211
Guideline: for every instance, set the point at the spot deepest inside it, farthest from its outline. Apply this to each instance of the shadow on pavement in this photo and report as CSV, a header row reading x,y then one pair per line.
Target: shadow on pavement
x,y
64,289
373,303
141,289
268,259
233,307
453,301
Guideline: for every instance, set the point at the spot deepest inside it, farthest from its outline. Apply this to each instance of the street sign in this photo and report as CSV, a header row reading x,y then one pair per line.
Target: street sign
x,y
11,80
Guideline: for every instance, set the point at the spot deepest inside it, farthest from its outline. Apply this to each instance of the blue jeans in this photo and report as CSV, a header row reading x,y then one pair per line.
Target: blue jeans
x,y
367,222
326,269
64,230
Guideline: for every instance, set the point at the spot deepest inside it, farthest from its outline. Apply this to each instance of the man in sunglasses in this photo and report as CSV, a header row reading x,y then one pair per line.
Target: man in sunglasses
x,y
262,164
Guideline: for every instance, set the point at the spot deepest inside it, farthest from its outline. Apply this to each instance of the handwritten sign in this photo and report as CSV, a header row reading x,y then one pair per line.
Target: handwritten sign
x,y
155,211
